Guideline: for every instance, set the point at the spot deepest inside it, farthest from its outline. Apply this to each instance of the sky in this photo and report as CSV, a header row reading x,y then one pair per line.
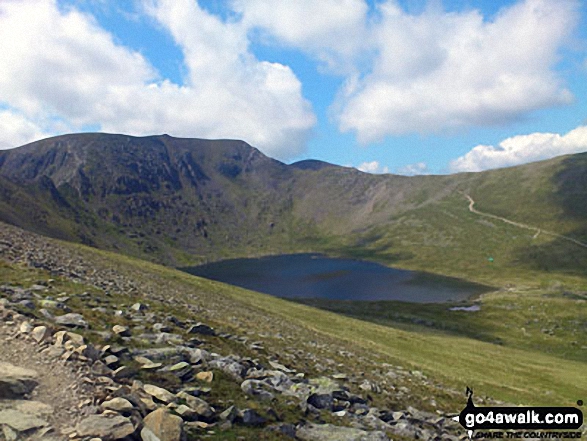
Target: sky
x,y
386,86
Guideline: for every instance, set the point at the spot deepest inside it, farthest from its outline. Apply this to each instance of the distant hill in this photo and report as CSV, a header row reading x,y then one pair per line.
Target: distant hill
x,y
182,201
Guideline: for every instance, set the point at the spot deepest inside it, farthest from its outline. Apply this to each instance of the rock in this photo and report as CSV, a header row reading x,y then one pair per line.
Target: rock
x,y
280,367
161,394
251,418
62,337
122,331
164,426
255,388
321,401
118,405
202,329
21,422
160,327
111,360
229,414
104,427
206,376
72,320
25,328
328,432
284,429
201,407
40,334
230,367
139,307
15,382
186,413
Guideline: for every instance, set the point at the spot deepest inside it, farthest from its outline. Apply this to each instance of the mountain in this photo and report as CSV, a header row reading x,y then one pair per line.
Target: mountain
x,y
183,201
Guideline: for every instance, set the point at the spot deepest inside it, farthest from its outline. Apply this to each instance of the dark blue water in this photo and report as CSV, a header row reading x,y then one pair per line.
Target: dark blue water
x,y
315,276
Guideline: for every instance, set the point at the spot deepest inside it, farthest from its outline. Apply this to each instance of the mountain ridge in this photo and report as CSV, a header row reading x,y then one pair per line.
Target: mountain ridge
x,y
181,201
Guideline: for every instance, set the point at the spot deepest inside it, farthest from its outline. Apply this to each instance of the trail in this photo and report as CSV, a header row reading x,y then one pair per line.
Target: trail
x,y
537,230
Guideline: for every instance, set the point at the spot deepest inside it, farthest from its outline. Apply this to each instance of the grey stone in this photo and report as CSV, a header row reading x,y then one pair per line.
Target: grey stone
x,y
161,394
15,382
198,405
72,320
250,417
118,405
104,427
21,422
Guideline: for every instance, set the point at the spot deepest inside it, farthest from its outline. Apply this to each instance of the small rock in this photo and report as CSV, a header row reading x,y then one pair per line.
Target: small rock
x,y
19,421
161,394
206,376
106,428
118,405
139,307
164,426
40,334
15,382
122,331
252,418
200,328
72,320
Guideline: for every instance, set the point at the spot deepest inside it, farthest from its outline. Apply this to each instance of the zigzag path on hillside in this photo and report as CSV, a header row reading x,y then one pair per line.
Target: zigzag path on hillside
x,y
472,209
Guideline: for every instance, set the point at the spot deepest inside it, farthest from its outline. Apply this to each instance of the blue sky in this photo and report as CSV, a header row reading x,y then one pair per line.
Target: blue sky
x,y
405,86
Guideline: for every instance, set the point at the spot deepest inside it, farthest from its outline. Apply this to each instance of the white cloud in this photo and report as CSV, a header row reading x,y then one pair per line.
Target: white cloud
x,y
373,167
61,65
419,168
522,149
334,31
443,70
16,130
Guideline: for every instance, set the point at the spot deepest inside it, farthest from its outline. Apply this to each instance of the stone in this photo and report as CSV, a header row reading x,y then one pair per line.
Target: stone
x,y
40,334
21,422
251,418
118,405
111,360
62,337
104,427
73,320
122,331
202,329
25,328
164,426
329,432
139,307
186,413
229,414
321,401
206,376
15,382
161,394
201,407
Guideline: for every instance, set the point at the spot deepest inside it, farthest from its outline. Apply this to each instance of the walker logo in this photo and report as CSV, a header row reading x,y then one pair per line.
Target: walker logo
x,y
520,418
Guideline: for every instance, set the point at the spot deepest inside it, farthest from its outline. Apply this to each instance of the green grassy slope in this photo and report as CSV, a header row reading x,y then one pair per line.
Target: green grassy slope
x,y
516,372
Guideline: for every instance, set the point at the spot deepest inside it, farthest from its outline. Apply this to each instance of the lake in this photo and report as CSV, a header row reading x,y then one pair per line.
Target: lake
x,y
307,276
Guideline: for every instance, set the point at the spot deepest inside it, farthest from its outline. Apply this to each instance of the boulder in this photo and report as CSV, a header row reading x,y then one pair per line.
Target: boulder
x,y
202,329
164,426
104,427
72,320
118,405
15,382
161,394
20,421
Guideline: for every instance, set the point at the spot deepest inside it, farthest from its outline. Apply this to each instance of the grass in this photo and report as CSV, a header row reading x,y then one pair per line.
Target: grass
x,y
524,346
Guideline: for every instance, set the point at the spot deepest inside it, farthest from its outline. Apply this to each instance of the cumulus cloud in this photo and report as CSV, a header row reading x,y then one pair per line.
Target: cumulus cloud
x,y
16,130
60,65
419,168
334,31
522,149
442,70
373,167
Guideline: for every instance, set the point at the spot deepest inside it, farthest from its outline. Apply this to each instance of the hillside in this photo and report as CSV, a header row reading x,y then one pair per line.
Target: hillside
x,y
183,201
